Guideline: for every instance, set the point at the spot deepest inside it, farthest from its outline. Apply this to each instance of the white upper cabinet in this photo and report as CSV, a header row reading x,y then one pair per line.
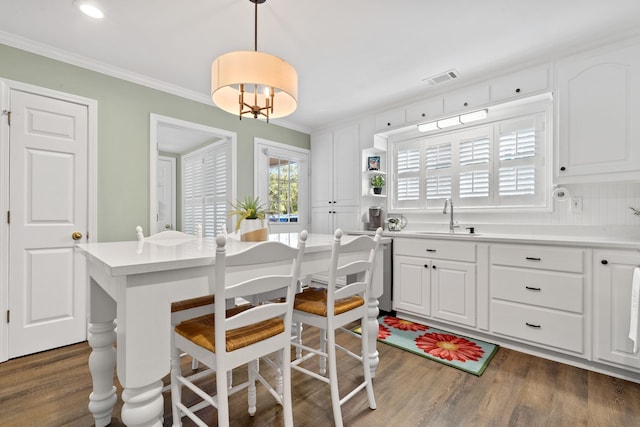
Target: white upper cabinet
x,y
598,110
390,119
523,83
425,110
335,179
467,98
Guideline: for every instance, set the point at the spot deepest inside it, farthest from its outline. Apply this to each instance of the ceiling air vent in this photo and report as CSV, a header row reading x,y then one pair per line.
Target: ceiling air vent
x,y
441,78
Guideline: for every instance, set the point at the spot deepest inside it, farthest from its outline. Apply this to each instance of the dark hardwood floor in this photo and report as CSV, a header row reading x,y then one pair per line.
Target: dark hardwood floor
x,y
52,389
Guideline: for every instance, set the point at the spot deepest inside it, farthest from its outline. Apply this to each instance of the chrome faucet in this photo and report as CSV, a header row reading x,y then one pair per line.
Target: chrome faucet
x,y
449,203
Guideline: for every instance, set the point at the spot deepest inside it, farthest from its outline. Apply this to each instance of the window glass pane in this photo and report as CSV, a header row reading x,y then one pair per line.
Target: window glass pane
x,y
474,184
438,187
408,160
283,190
518,144
438,156
408,189
517,181
475,151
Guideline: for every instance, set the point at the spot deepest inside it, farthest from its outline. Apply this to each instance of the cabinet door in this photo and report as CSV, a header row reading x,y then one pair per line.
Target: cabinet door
x,y
411,285
425,110
346,218
346,166
322,220
599,106
454,291
520,84
322,170
613,271
466,99
390,119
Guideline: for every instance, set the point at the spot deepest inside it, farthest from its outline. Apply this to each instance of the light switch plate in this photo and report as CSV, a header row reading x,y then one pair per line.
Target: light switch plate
x,y
576,205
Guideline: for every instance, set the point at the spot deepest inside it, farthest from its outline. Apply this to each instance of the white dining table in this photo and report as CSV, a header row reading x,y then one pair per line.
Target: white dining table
x,y
132,285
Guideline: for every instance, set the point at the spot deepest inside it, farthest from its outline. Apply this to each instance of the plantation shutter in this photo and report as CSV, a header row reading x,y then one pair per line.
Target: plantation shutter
x,y
407,174
206,189
517,158
438,163
474,161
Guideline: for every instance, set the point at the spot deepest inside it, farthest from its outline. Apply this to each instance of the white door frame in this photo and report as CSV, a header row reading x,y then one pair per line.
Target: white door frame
x,y
156,120
92,186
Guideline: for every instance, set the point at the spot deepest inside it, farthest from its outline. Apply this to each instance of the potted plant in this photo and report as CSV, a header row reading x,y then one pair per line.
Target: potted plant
x,y
377,182
251,219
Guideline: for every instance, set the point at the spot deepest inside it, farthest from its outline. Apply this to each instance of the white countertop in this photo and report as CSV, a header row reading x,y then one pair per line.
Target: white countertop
x,y
600,241
122,258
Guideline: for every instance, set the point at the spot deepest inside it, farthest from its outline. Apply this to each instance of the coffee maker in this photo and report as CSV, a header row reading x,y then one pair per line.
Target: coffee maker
x,y
376,218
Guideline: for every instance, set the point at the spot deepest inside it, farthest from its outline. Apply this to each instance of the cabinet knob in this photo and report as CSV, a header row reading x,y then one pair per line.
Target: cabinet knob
x,y
518,90
563,168
604,262
426,266
434,267
466,104
424,115
388,124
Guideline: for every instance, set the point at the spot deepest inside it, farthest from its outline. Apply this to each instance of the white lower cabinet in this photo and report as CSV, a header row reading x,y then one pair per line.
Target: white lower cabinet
x,y
538,296
435,278
569,303
612,275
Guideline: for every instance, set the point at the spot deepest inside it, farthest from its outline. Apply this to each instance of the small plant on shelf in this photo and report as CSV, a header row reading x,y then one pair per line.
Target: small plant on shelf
x,y
377,182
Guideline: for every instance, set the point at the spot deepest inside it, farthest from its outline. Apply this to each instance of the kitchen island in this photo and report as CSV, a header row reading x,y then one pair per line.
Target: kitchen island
x,y
132,286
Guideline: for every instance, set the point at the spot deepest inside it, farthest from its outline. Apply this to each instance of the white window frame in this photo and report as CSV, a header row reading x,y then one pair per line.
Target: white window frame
x,y
501,115
263,149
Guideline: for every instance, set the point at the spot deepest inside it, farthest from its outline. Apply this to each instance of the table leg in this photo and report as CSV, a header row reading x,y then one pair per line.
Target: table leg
x,y
143,406
372,330
102,362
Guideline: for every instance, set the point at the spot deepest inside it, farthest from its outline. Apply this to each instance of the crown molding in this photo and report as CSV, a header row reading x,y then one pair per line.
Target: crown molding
x,y
51,52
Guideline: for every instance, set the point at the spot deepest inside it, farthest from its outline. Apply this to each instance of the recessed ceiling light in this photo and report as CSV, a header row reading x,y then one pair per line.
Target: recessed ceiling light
x,y
89,7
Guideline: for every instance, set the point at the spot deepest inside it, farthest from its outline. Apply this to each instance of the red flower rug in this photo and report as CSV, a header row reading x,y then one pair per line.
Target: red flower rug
x,y
467,354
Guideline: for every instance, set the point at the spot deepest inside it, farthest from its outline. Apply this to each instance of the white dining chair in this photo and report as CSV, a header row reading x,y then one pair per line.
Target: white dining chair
x,y
333,307
240,336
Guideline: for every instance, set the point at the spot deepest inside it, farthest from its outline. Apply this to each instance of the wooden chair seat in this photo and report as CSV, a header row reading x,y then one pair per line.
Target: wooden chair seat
x,y
314,301
188,304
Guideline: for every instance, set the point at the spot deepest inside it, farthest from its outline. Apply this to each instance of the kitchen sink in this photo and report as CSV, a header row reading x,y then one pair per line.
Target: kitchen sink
x,y
443,233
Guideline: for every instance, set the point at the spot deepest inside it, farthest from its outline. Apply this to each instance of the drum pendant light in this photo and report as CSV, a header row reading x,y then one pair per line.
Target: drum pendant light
x,y
252,82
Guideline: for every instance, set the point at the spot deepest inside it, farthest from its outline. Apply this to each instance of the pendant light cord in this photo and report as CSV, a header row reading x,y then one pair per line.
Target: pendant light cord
x,y
255,28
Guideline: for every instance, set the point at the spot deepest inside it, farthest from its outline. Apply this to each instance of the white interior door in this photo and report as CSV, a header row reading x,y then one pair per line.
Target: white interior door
x,y
166,193
48,204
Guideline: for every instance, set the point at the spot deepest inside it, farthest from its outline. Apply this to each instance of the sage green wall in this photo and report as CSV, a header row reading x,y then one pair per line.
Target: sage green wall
x,y
123,134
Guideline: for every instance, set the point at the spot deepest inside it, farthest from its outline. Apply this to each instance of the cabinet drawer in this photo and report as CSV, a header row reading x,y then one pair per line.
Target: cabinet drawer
x,y
437,249
539,257
548,327
534,287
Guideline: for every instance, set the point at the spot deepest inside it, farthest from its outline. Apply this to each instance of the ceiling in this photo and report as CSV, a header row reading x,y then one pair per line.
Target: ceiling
x,y
352,56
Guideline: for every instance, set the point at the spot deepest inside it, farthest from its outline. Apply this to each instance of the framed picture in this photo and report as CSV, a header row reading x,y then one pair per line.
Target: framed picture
x,y
373,163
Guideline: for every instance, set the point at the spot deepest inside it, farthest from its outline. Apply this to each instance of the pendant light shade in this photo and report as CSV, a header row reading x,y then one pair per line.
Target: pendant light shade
x,y
252,82
254,76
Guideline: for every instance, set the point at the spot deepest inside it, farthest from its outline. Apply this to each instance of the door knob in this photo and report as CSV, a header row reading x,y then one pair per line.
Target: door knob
x,y
76,235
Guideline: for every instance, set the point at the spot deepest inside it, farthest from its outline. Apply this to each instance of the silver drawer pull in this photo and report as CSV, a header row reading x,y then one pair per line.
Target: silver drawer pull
x,y
531,325
430,250
530,258
531,288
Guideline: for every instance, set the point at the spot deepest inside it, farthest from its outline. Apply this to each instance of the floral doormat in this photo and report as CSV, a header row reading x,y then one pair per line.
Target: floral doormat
x,y
467,354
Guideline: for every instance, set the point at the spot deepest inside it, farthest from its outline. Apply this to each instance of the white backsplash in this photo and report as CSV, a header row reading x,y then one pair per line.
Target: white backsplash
x,y
605,210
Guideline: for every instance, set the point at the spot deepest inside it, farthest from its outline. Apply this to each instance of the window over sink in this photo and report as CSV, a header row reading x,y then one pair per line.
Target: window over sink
x,y
502,163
